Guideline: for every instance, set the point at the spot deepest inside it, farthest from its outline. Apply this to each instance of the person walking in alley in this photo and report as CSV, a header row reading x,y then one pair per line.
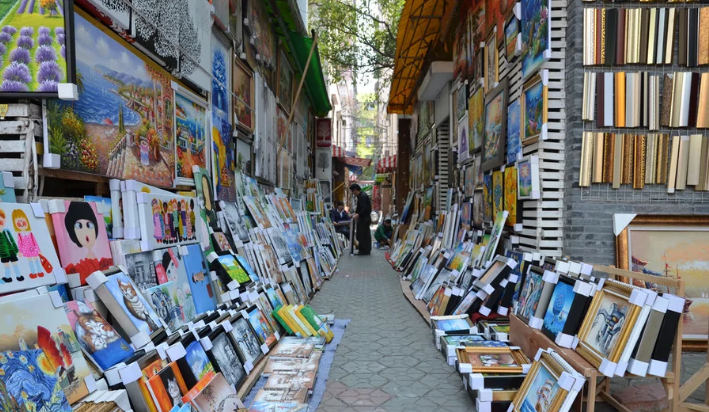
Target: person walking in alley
x,y
363,218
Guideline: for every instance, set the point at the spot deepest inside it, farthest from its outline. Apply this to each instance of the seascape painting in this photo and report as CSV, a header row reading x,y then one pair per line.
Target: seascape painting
x,y
541,393
608,321
558,309
533,111
677,251
514,118
190,134
33,46
122,124
536,34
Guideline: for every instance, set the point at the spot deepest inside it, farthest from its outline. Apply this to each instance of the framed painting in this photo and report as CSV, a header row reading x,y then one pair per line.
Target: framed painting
x,y
495,127
468,185
463,152
478,209
559,305
191,137
534,105
540,390
285,83
111,133
491,63
222,147
672,246
487,197
497,190
494,19
514,119
513,43
476,120
459,52
530,294
494,359
461,105
43,55
244,115
478,23
454,124
244,156
606,327
528,178
510,195
536,35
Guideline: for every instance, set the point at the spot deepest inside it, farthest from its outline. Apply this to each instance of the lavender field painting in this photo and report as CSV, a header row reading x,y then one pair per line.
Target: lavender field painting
x,y
32,46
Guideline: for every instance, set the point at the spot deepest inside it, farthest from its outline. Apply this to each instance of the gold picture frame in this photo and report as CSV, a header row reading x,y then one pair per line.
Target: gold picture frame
x,y
474,357
541,371
492,62
532,126
610,305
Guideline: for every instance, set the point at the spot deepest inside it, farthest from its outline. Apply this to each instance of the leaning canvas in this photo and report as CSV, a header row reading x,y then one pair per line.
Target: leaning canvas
x,y
168,219
198,277
82,240
29,384
26,250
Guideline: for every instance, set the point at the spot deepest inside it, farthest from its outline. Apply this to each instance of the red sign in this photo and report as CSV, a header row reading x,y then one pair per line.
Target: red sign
x,y
324,133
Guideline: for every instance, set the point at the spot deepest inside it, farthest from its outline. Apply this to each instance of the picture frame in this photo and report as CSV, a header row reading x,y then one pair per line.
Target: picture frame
x,y
528,178
595,343
534,103
514,123
461,106
669,235
543,375
495,126
492,62
535,14
513,37
476,120
559,305
463,151
244,96
192,136
493,359
285,83
530,294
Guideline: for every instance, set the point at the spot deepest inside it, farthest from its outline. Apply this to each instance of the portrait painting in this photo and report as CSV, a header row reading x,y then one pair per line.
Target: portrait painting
x,y
534,110
536,35
514,120
495,127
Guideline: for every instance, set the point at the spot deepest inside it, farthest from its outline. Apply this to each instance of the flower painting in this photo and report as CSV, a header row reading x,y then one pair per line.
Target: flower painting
x,y
122,124
495,127
190,133
534,110
514,118
33,46
511,195
223,151
536,35
476,120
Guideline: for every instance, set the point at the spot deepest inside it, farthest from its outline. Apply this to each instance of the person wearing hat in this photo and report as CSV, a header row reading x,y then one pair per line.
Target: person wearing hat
x,y
363,218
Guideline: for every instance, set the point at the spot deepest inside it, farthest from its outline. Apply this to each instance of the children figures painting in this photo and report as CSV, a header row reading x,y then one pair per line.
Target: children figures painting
x,y
166,219
26,252
82,242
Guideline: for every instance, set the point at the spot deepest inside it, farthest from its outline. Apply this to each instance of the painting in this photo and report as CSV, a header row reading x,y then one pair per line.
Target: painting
x,y
511,37
131,303
122,125
528,178
536,35
511,195
540,391
222,148
675,247
491,63
497,192
487,197
81,241
142,270
461,104
198,279
534,109
459,53
167,387
244,157
530,294
190,135
36,323
165,302
495,127
246,341
234,221
492,360
257,212
285,83
244,115
103,206
463,152
558,309
167,220
7,188
265,37
514,119
478,209
225,356
197,360
218,396
452,325
232,268
27,253
29,383
476,119
37,51
261,327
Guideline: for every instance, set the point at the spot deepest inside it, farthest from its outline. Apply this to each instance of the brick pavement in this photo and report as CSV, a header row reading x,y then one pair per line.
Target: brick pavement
x,y
387,360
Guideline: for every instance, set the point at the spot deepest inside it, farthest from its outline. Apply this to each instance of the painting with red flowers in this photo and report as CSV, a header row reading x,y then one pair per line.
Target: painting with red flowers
x,y
81,241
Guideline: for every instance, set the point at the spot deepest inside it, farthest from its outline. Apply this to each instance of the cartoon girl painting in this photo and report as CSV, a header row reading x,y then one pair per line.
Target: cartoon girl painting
x,y
27,244
157,221
81,225
8,252
166,267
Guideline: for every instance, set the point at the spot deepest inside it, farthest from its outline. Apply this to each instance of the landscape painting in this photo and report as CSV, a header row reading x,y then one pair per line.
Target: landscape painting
x,y
33,47
190,134
122,124
534,108
676,251
536,34
495,127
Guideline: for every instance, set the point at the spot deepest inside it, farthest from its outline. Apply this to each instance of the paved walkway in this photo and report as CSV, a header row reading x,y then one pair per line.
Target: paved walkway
x,y
387,360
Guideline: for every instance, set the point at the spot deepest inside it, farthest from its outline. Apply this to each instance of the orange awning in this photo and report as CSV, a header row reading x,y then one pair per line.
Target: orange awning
x,y
421,25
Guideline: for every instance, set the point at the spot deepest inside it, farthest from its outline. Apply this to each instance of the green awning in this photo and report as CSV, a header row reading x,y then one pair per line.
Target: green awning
x,y
314,79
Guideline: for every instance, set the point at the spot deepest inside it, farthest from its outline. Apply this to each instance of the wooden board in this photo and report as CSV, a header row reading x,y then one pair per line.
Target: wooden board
x,y
419,305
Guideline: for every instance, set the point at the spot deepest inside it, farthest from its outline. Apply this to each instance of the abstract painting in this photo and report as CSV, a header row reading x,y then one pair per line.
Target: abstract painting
x,y
82,242
511,195
477,119
495,127
514,119
536,35
26,249
35,48
122,125
497,192
223,156
558,309
244,96
190,134
534,109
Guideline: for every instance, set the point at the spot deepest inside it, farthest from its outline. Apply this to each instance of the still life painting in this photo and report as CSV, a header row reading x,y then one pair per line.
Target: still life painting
x,y
122,125
190,133
536,34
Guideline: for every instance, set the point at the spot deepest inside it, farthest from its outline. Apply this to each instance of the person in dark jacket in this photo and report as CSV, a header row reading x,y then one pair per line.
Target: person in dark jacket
x,y
364,219
341,219
383,234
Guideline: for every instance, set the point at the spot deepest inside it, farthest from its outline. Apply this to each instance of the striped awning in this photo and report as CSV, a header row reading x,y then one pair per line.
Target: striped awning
x,y
348,159
386,164
337,151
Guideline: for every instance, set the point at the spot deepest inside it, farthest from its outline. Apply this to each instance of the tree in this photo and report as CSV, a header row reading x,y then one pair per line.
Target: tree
x,y
358,35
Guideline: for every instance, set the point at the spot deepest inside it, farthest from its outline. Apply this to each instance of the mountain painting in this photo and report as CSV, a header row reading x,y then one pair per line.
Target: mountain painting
x,y
32,46
122,124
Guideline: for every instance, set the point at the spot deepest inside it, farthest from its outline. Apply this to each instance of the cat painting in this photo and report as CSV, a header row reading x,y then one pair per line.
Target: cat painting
x,y
135,304
174,391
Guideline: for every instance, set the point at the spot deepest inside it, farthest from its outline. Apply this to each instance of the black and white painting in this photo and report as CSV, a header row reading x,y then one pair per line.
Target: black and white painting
x,y
246,341
141,269
234,222
229,364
